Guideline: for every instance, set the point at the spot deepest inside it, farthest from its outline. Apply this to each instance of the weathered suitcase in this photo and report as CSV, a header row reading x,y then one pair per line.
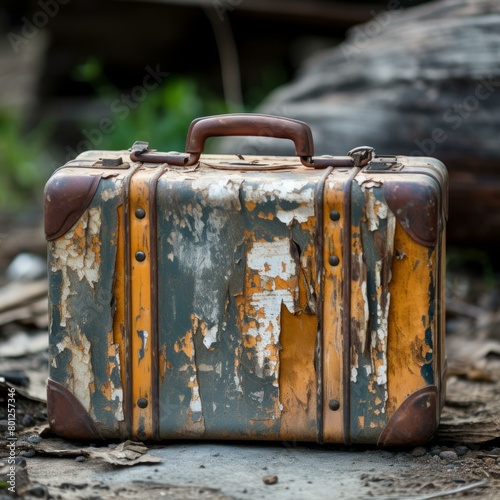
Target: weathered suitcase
x,y
231,297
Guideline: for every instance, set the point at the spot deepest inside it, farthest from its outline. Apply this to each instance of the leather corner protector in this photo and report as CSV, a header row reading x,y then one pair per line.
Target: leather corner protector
x,y
414,422
66,198
417,208
67,416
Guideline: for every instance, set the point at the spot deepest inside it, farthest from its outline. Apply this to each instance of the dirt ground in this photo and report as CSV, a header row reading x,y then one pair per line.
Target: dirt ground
x,y
49,467
463,459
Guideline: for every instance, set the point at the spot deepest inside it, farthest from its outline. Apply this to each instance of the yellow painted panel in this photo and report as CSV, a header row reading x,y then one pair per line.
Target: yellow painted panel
x,y
297,379
412,268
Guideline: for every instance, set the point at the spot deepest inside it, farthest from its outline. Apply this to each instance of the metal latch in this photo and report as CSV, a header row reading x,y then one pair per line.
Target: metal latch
x,y
364,156
139,147
384,163
111,162
361,155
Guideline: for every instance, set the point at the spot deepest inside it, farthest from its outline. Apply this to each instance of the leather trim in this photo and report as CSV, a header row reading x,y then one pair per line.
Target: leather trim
x,y
417,208
415,421
67,416
66,198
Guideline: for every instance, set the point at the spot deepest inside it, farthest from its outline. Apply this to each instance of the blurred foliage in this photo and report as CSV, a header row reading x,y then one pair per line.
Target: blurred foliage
x,y
161,116
21,163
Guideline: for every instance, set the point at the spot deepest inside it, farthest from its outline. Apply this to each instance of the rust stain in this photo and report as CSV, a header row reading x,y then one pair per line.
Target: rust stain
x,y
268,216
186,345
250,205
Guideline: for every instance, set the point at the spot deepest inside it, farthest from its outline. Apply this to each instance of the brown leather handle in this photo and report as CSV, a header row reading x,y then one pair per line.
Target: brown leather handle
x,y
249,124
241,124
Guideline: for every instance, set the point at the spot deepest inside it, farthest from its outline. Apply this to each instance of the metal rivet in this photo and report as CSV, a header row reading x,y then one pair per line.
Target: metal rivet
x,y
140,213
140,256
334,260
334,215
334,405
142,402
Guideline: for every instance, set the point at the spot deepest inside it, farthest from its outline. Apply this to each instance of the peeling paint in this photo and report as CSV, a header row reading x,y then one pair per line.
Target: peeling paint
x,y
195,403
109,194
291,190
220,192
270,261
116,392
300,214
80,373
78,251
143,335
210,337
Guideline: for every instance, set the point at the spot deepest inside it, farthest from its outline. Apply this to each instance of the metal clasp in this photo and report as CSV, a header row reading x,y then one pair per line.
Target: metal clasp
x,y
362,155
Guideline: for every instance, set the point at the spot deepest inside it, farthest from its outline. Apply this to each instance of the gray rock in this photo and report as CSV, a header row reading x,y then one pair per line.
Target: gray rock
x,y
28,421
419,451
448,455
34,439
461,450
28,453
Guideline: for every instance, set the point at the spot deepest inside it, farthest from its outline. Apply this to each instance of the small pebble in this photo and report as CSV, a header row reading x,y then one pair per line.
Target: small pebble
x,y
34,439
202,466
27,453
4,425
419,451
20,461
28,421
80,458
458,480
270,479
38,491
461,450
495,451
448,455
